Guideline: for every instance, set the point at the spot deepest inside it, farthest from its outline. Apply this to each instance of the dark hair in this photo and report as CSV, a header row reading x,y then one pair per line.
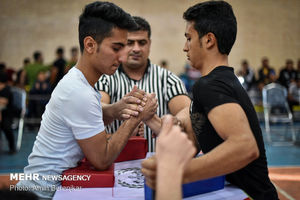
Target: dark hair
x,y
37,55
3,77
244,62
216,17
26,61
142,25
2,66
289,61
60,50
74,49
99,18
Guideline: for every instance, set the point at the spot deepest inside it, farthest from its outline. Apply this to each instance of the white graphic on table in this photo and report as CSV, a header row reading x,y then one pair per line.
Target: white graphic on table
x,y
130,177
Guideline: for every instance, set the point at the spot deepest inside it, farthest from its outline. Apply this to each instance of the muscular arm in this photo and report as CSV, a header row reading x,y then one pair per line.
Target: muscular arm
x,y
185,122
107,114
102,149
175,105
238,149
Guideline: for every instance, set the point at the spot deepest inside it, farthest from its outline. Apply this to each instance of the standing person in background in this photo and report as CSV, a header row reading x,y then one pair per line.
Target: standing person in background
x,y
42,90
58,67
221,115
31,73
6,112
164,64
74,57
21,81
138,70
31,70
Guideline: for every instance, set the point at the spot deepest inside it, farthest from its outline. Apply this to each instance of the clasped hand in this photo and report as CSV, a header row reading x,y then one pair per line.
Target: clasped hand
x,y
137,103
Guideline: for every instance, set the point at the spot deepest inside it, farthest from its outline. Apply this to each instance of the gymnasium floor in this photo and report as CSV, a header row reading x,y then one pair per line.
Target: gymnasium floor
x,y
283,162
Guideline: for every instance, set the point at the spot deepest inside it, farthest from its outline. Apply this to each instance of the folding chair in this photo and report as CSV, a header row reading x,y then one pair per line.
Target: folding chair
x,y
19,102
276,110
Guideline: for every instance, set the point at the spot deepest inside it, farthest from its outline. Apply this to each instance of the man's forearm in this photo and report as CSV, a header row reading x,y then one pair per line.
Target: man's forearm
x,y
154,124
108,111
117,141
226,158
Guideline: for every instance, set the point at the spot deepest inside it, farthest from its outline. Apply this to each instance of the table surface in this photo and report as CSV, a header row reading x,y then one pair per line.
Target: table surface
x,y
129,184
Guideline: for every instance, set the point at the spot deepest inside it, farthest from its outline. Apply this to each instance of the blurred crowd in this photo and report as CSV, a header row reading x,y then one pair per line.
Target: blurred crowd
x,y
39,79
287,76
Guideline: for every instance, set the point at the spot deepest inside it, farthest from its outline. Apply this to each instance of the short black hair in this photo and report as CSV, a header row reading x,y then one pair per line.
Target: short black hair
x,y
216,17
60,50
37,55
99,18
74,49
142,25
2,66
26,61
289,61
3,77
245,62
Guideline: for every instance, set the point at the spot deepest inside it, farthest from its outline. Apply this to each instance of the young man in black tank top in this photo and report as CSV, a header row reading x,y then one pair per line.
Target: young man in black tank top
x,y
221,120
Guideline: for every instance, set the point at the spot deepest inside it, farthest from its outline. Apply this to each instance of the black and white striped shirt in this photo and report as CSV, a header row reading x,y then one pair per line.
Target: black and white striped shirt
x,y
160,81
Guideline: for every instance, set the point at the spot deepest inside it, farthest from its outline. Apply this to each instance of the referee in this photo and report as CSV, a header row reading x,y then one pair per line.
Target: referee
x,y
138,70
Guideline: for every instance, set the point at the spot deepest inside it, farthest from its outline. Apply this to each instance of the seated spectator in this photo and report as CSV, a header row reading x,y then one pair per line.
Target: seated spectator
x,y
266,73
11,75
2,66
248,75
294,94
42,88
287,74
10,72
189,77
6,111
21,80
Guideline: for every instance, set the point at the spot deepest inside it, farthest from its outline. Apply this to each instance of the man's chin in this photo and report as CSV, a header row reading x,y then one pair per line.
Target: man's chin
x,y
134,63
111,72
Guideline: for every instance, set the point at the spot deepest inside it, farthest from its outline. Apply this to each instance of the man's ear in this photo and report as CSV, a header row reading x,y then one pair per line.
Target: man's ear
x,y
90,45
211,40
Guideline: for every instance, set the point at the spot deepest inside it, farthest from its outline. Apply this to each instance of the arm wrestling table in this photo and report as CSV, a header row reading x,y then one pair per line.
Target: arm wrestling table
x,y
129,184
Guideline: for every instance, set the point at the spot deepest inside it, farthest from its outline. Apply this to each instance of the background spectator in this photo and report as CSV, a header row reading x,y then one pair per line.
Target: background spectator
x,y
248,75
6,111
58,68
74,57
287,74
265,72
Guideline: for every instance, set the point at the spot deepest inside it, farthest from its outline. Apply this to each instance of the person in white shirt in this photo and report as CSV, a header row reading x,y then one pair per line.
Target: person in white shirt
x,y
72,125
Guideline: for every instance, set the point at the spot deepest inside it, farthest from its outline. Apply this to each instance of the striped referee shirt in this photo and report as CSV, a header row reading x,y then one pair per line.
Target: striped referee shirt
x,y
156,79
